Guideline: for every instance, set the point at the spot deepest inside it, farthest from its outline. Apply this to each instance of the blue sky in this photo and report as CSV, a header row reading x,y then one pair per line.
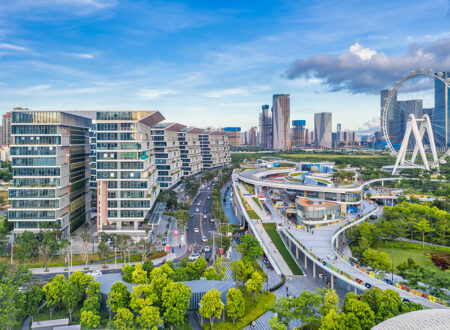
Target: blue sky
x,y
216,62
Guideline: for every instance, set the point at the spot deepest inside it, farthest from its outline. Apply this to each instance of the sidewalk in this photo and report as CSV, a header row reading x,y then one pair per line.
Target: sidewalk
x,y
262,214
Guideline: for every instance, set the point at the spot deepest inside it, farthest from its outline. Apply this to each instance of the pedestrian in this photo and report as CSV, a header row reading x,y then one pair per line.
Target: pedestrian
x,y
287,289
253,324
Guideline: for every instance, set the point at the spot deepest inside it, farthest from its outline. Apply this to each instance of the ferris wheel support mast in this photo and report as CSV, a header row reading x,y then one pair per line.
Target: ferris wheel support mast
x,y
418,133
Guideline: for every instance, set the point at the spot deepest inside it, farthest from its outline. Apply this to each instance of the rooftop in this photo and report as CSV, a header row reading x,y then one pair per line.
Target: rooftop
x,y
435,319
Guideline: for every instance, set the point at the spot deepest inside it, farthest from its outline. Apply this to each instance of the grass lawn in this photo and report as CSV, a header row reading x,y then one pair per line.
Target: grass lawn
x,y
402,254
253,310
282,249
256,200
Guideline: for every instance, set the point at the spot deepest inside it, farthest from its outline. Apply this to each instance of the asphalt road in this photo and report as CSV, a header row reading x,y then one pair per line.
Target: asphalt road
x,y
201,206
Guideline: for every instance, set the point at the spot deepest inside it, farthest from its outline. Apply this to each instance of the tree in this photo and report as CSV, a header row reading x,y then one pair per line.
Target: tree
x,y
143,247
127,271
71,297
33,300
361,310
377,260
254,284
54,292
211,306
142,296
124,319
85,247
235,304
250,248
148,266
123,243
103,251
307,306
200,266
423,226
139,276
92,301
330,301
159,280
217,271
49,245
26,246
182,217
386,229
283,308
118,297
341,321
240,270
65,248
175,302
149,318
389,306
89,319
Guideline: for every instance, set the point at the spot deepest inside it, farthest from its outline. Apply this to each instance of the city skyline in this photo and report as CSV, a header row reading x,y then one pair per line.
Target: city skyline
x,y
194,61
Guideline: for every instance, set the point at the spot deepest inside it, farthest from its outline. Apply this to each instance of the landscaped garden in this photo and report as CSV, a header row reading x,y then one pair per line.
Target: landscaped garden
x,y
277,240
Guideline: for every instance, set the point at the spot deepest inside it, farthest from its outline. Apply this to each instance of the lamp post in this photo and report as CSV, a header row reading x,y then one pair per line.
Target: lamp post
x,y
392,271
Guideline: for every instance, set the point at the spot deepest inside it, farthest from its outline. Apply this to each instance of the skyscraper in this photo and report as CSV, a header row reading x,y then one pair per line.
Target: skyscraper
x,y
441,125
253,136
299,134
265,127
281,113
322,130
6,132
384,94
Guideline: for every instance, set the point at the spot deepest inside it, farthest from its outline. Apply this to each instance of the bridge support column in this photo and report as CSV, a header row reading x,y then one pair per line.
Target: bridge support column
x,y
314,269
332,281
257,190
337,242
306,262
290,244
348,287
296,253
356,290
382,183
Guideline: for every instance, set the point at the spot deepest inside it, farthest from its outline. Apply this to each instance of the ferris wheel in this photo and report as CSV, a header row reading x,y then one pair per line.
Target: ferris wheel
x,y
414,119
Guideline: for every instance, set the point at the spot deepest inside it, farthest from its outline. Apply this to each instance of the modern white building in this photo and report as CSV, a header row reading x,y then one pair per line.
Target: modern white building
x,y
50,160
190,150
215,149
126,174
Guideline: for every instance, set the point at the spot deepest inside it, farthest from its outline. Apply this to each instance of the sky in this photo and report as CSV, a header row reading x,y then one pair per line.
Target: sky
x,y
214,63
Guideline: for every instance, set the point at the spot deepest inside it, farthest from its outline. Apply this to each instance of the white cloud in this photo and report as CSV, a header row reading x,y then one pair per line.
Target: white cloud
x,y
32,89
363,53
15,48
371,125
84,56
150,94
225,92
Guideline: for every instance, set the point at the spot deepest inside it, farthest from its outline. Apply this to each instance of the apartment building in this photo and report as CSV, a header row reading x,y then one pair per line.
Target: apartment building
x,y
215,149
126,175
50,160
190,151
167,153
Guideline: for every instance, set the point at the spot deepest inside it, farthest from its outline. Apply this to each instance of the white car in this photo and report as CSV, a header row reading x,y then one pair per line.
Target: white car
x,y
212,219
96,272
196,230
194,256
196,210
209,197
207,249
205,217
204,239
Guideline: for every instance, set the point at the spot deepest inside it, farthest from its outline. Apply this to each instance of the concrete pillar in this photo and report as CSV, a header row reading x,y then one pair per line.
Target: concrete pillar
x,y
136,225
306,262
290,244
337,242
382,183
296,252
332,281
348,287
119,225
356,290
314,269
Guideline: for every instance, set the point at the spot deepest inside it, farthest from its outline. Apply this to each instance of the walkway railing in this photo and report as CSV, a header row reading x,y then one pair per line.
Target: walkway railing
x,y
372,274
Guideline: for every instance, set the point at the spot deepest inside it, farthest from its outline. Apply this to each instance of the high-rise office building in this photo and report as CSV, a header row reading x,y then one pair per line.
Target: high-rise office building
x,y
6,125
234,135
167,153
215,149
384,94
299,134
127,184
50,160
93,165
322,130
281,112
190,150
253,136
265,128
440,121
338,127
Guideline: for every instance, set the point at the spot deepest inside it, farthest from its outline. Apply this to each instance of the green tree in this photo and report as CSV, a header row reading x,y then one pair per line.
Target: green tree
x,y
103,251
142,296
235,305
341,321
283,309
143,247
250,248
118,297
254,284
124,319
390,305
175,302
49,244
211,306
71,297
182,217
123,244
363,314
330,301
423,226
85,247
240,270
127,271
139,276
26,247
148,266
307,307
54,292
92,301
159,280
377,260
217,271
89,319
33,299
149,318
386,229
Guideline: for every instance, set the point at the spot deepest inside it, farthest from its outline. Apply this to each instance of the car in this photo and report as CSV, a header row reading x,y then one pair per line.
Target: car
x,y
196,210
96,272
196,230
209,197
194,256
212,219
205,216
199,203
207,249
204,239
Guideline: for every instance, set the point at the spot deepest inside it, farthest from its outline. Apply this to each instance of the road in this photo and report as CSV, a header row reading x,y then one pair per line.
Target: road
x,y
201,206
